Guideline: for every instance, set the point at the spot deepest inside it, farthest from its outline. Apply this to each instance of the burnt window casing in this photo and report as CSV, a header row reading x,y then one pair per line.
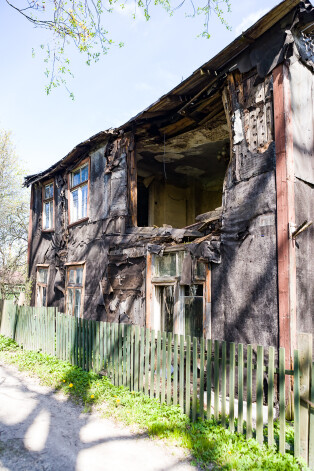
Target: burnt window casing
x,y
42,286
75,290
178,308
79,193
48,206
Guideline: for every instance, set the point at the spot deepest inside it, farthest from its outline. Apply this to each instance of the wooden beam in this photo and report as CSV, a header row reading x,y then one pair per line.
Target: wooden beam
x,y
149,291
132,181
30,231
285,211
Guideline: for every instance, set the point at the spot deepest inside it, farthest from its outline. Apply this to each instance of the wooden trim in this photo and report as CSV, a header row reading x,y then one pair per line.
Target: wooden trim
x,y
70,189
149,290
46,200
74,264
30,231
42,265
132,181
285,211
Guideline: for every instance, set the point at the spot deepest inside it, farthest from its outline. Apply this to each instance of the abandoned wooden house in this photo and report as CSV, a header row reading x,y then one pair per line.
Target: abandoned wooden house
x,y
195,215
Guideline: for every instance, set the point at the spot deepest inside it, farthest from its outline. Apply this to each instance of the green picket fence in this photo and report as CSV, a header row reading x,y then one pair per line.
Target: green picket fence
x,y
194,373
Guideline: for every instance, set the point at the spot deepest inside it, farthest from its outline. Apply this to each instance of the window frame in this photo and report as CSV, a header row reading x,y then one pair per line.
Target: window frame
x,y
70,266
47,200
73,188
40,284
154,283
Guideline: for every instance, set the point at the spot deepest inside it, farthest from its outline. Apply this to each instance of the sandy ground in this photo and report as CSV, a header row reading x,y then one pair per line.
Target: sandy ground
x,y
41,430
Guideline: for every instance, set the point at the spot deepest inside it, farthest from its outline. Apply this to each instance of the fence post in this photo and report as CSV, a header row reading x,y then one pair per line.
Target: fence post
x,y
305,361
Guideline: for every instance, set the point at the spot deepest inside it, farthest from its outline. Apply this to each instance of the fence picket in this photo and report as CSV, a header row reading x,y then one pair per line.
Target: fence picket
x,y
147,348
216,380
259,394
202,355
209,379
194,396
152,364
282,405
163,368
181,374
169,352
271,369
231,386
311,432
158,365
188,376
223,382
136,358
240,388
296,394
249,383
142,359
175,369
120,366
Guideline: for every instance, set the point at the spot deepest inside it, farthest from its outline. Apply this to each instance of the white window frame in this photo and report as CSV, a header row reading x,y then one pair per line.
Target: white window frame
x,y
73,188
74,266
40,285
48,201
179,317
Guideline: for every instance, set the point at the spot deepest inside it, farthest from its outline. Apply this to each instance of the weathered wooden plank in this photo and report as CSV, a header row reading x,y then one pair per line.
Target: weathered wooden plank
x,y
296,397
202,368
152,365
181,374
231,386
120,359
142,346
271,369
282,411
311,424
169,352
216,380
175,369
259,394
223,382
147,348
163,367
158,365
188,376
194,397
136,358
240,388
116,353
209,378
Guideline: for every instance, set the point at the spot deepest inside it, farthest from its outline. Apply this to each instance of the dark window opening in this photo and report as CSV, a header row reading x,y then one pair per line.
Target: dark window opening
x,y
142,204
166,300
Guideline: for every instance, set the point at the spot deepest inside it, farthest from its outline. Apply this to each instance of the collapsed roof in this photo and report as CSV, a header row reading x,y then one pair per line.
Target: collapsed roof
x,y
194,103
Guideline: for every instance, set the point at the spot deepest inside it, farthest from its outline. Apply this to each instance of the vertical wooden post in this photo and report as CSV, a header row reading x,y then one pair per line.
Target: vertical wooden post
x,y
149,292
285,217
305,362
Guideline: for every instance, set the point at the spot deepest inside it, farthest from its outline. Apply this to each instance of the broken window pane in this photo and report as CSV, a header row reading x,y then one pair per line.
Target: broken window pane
x,y
166,265
193,310
200,270
166,299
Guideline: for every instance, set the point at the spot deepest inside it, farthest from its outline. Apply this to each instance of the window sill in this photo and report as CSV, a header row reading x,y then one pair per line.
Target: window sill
x,y
79,221
47,230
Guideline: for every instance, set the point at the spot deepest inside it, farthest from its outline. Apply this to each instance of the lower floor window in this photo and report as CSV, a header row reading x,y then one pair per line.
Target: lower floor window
x,y
74,290
41,286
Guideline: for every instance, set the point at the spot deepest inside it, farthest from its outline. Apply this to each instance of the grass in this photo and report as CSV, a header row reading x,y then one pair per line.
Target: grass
x,y
211,446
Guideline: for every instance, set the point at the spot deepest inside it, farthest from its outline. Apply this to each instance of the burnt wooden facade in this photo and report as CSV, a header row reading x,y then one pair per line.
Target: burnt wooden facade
x,y
185,217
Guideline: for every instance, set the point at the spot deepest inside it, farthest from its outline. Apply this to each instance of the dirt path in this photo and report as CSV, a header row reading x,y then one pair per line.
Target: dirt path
x,y
44,431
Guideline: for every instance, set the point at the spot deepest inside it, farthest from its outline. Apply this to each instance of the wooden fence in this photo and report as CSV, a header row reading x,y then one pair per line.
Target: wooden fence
x,y
192,373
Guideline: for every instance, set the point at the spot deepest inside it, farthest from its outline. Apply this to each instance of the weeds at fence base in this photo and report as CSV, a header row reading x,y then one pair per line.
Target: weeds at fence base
x,y
211,445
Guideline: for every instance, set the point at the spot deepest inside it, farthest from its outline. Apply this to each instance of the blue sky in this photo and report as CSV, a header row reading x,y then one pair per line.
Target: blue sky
x,y
157,55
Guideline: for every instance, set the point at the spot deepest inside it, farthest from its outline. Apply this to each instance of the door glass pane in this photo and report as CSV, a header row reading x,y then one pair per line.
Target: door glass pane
x,y
77,306
84,201
84,173
166,265
75,204
193,310
166,300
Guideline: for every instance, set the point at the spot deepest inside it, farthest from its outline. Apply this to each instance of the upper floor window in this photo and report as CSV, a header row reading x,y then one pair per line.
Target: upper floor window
x,y
48,195
41,286
79,193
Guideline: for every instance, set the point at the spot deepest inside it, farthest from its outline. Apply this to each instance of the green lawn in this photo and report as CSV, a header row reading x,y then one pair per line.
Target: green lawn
x,y
208,442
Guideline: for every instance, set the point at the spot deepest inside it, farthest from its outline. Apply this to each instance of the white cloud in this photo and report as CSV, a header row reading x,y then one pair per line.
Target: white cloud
x,y
249,21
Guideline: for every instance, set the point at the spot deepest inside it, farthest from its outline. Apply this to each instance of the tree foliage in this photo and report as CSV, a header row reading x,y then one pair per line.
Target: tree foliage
x,y
14,212
82,23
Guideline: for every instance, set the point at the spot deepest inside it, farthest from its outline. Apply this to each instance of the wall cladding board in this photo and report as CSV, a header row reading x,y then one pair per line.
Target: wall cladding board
x,y
244,285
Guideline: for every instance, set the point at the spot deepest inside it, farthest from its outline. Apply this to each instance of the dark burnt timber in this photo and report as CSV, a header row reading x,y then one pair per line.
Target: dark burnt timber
x,y
181,218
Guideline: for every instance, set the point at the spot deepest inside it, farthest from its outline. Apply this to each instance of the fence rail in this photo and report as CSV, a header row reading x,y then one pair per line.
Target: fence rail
x,y
194,373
